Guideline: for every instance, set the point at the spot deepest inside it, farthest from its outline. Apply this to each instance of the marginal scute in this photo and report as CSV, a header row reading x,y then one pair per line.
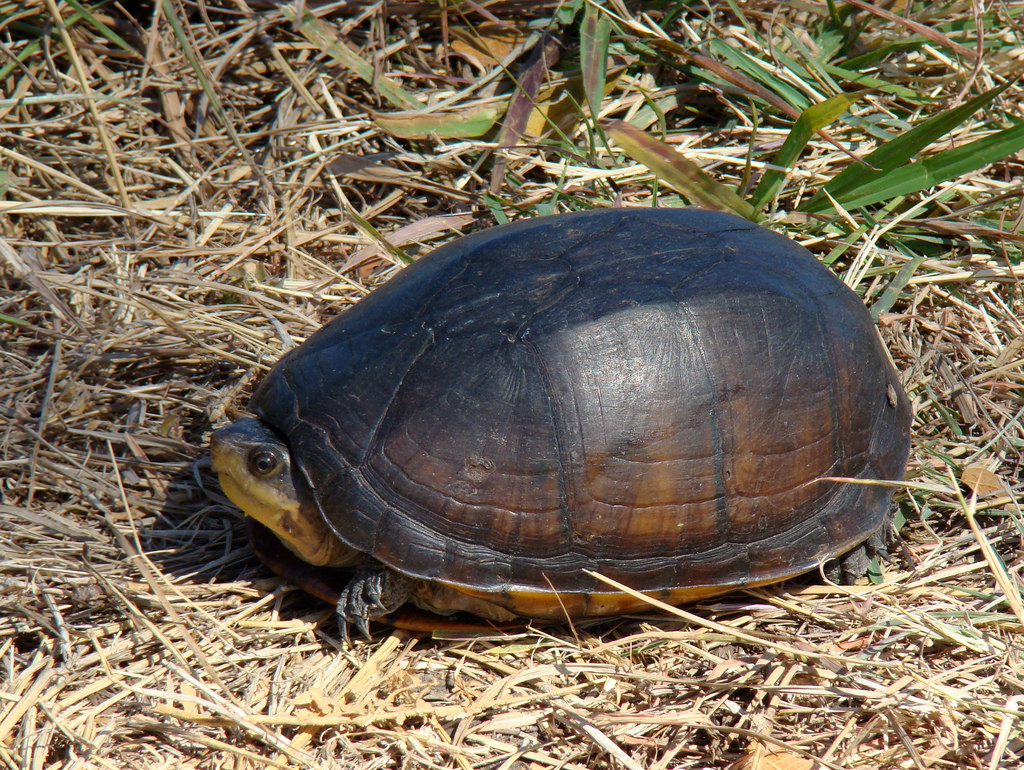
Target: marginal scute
x,y
648,394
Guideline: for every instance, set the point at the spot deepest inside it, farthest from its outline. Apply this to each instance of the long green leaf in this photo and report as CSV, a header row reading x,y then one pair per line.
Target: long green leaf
x,y
810,121
934,170
896,153
759,72
26,53
866,81
677,172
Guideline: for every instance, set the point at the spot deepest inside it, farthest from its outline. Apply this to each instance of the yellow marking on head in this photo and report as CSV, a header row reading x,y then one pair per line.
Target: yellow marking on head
x,y
303,532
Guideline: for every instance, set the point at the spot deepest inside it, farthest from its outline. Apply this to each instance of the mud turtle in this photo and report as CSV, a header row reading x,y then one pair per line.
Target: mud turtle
x,y
656,395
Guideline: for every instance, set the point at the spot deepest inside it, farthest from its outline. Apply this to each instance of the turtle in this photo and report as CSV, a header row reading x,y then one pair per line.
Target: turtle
x,y
676,399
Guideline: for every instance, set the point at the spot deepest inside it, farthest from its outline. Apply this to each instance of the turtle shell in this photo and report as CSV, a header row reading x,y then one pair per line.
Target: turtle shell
x,y
655,395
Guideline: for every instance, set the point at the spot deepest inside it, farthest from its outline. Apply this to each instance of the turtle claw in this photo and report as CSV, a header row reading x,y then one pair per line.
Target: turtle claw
x,y
361,624
373,592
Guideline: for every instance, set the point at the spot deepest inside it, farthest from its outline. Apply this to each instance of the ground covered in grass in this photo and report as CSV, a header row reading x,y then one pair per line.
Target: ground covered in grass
x,y
190,189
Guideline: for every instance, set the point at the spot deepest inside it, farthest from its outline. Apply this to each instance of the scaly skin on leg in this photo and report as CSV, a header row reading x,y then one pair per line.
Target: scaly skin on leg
x,y
846,568
373,591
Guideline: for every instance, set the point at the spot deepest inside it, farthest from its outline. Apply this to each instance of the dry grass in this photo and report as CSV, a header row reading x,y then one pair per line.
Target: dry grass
x,y
178,208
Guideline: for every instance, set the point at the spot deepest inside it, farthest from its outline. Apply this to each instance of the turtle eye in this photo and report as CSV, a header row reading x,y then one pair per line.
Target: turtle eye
x,y
264,462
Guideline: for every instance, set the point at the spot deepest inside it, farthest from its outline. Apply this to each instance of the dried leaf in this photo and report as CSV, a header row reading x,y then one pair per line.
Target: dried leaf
x,y
451,124
487,45
543,58
758,757
559,108
677,172
980,480
595,32
741,81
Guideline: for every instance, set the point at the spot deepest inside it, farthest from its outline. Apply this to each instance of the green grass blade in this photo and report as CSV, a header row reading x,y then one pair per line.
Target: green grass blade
x,y
895,154
753,68
100,27
812,64
200,72
896,285
32,48
12,320
742,81
374,235
810,121
934,170
866,81
677,172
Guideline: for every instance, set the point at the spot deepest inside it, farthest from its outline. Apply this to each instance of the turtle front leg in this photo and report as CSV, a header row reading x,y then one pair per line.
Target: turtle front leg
x,y
373,591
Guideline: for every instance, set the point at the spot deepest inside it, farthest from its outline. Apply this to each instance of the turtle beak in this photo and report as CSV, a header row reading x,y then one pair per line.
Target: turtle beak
x,y
218,452
224,443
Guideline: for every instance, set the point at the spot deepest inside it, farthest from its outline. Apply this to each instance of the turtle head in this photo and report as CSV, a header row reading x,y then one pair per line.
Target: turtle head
x,y
256,473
